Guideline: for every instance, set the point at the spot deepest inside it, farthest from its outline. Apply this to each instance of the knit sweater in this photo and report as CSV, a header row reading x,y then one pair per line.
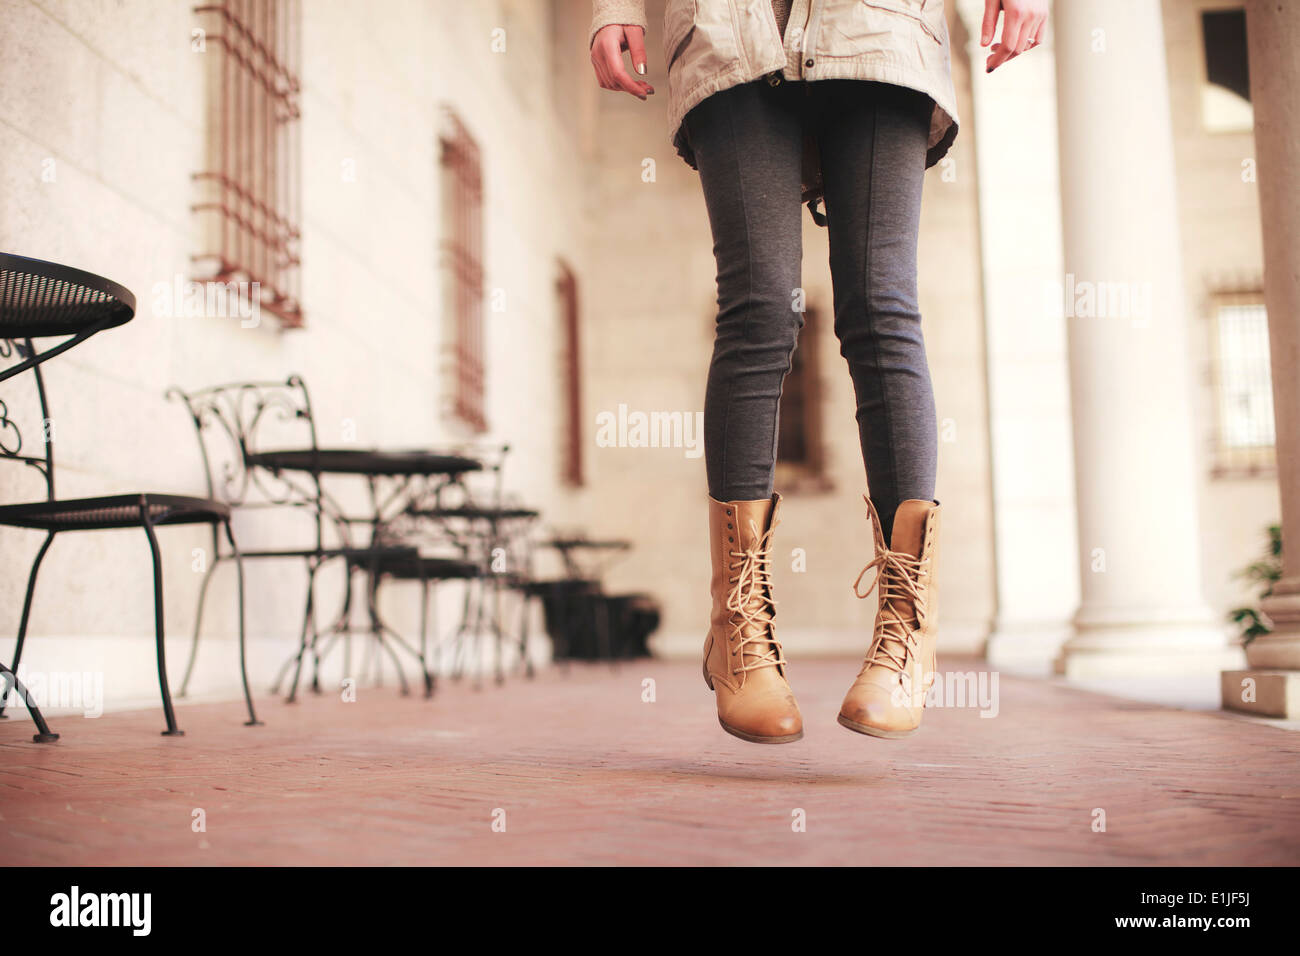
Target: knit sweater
x,y
632,13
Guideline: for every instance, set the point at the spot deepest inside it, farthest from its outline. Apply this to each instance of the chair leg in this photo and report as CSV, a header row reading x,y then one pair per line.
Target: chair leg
x,y
198,623
498,634
243,655
526,662
477,633
172,730
342,624
437,640
27,607
425,584
344,632
385,637
459,639
377,633
296,660
313,642
392,641
43,734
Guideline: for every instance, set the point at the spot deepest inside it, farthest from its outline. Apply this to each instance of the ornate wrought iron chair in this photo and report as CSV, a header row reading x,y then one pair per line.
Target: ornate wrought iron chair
x,y
489,534
147,511
415,549
235,424
426,570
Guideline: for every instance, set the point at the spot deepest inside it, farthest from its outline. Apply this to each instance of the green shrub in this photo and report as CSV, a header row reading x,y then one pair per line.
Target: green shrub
x,y
1265,572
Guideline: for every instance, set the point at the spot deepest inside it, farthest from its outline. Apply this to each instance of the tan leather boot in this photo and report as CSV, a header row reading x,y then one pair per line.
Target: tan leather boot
x,y
888,698
743,664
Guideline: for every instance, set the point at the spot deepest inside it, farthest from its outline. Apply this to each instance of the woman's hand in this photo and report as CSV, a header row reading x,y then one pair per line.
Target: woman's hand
x,y
607,57
1022,28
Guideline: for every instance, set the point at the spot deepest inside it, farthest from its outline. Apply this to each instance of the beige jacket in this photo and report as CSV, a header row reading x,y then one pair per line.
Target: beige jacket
x,y
710,45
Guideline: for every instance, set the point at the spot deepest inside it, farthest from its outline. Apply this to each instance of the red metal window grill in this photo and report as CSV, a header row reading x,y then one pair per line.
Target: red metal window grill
x,y
250,197
462,269
566,287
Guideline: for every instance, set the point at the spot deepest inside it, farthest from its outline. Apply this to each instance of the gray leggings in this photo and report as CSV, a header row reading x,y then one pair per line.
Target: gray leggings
x,y
871,138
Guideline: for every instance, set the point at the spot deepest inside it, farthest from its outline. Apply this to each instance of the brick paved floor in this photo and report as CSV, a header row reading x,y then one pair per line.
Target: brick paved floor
x,y
586,772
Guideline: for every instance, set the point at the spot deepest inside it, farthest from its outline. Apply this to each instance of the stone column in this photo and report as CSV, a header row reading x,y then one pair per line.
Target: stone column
x,y
1142,614
1014,135
1272,684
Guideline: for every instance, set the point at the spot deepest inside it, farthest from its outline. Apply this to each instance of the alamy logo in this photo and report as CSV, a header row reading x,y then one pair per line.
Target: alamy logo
x,y
51,690
209,299
656,429
102,909
950,689
1100,299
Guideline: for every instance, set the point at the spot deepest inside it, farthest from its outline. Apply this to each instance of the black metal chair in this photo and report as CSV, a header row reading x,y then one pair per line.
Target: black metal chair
x,y
427,571
490,533
395,479
36,296
227,420
234,424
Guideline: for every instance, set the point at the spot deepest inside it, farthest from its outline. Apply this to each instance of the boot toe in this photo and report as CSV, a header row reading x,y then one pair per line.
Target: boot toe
x,y
766,720
869,708
785,725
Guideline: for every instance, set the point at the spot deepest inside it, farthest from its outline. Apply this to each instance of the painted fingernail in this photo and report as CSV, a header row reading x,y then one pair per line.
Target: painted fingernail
x,y
640,68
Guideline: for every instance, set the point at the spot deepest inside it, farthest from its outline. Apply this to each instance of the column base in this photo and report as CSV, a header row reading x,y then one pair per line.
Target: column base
x,y
1270,684
1281,649
1027,647
1276,651
1141,652
1266,693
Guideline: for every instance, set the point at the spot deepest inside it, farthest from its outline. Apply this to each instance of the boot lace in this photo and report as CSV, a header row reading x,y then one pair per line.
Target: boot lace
x,y
750,603
893,643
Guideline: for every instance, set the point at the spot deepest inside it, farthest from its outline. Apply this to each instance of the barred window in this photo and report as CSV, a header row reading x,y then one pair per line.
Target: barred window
x,y
249,190
566,287
1244,440
462,272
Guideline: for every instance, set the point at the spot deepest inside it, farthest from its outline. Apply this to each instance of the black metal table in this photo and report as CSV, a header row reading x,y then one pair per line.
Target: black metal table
x,y
367,461
41,299
478,530
569,547
401,469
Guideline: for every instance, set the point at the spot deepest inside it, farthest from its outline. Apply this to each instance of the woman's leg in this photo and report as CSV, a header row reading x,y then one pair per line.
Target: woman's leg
x,y
872,141
748,146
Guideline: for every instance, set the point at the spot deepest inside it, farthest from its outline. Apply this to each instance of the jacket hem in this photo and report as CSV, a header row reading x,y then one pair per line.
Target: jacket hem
x,y
943,121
